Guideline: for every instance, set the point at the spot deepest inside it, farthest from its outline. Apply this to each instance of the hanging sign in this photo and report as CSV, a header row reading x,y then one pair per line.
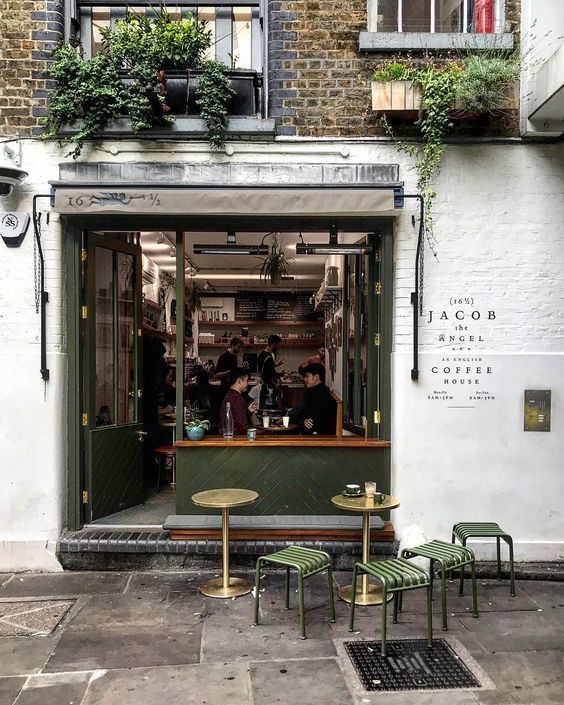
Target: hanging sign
x,y
13,228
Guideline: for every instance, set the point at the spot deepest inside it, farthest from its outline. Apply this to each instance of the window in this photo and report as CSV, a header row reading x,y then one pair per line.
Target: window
x,y
435,16
235,25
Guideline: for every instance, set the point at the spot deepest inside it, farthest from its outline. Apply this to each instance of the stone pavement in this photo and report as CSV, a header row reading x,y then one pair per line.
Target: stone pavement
x,y
123,638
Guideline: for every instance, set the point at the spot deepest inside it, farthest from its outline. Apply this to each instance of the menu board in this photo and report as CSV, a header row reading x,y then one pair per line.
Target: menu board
x,y
276,307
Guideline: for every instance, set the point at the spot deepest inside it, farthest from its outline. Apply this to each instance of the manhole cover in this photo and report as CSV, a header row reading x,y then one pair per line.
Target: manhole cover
x,y
32,618
409,665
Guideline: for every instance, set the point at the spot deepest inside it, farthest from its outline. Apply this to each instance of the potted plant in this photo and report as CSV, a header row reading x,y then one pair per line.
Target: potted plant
x,y
276,264
196,429
194,294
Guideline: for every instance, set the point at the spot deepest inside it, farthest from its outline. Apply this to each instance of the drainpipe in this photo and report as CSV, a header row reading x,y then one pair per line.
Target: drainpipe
x,y
415,294
44,296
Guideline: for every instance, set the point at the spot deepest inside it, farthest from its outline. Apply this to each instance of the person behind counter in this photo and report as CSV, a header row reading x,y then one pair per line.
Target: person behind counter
x,y
318,415
228,361
319,358
238,382
266,361
266,393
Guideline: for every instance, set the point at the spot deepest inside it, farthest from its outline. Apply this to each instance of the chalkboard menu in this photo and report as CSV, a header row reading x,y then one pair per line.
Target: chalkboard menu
x,y
276,307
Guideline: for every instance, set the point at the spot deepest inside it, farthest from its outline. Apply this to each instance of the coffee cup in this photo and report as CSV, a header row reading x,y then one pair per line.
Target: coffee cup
x,y
352,489
285,421
379,498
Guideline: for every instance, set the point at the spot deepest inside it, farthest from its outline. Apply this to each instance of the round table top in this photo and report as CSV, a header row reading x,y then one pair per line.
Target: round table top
x,y
363,504
223,498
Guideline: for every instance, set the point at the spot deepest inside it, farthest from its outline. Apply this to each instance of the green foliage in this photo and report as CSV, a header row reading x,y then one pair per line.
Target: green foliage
x,y
198,423
213,93
276,263
89,91
96,91
476,83
484,82
194,294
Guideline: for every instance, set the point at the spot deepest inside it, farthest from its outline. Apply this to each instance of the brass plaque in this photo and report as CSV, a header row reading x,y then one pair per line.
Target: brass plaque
x,y
537,410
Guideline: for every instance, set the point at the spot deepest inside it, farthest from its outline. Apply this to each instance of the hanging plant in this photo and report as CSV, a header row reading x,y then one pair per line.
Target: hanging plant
x,y
276,264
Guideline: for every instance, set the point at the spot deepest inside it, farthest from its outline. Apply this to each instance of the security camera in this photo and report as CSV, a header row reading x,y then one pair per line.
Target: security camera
x,y
10,176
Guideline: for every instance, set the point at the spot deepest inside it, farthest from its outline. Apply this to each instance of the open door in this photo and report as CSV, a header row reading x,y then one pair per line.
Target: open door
x,y
112,409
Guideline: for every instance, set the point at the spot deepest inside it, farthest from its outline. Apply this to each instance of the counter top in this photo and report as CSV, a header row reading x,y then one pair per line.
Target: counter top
x,y
287,440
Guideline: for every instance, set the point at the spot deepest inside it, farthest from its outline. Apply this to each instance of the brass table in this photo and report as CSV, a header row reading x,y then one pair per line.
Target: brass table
x,y
224,499
366,594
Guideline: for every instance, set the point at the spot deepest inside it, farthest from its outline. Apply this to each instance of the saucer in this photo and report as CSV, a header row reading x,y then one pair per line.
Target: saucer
x,y
353,494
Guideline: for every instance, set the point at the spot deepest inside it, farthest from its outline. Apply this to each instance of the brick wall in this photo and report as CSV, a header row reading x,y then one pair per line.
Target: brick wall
x,y
29,30
320,83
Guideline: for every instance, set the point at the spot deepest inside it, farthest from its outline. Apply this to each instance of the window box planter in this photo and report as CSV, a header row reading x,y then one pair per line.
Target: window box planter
x,y
405,97
181,92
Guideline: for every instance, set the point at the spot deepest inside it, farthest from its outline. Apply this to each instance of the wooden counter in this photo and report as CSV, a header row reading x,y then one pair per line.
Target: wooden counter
x,y
293,475
297,441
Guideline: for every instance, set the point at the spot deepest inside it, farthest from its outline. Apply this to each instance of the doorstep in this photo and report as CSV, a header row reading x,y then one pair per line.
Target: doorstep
x,y
123,548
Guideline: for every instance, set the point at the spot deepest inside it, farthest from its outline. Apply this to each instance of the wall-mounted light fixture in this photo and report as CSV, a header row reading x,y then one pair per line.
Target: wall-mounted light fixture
x,y
332,247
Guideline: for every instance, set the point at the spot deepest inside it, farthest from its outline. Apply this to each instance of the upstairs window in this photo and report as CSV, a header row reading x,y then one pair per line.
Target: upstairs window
x,y
435,16
236,26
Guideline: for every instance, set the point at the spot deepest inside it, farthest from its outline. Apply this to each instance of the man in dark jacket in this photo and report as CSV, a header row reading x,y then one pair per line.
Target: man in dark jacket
x,y
319,413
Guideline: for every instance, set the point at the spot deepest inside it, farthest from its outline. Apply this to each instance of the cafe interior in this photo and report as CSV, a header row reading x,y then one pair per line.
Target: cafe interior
x,y
316,294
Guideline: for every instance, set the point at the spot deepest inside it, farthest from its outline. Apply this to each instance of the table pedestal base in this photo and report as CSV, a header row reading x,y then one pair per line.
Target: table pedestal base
x,y
372,597
237,587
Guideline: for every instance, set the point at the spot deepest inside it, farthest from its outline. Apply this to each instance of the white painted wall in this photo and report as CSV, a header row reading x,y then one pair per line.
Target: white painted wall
x,y
500,241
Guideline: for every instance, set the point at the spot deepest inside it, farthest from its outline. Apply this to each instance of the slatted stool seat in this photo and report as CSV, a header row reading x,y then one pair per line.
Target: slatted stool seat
x,y
307,562
448,557
396,575
161,454
465,530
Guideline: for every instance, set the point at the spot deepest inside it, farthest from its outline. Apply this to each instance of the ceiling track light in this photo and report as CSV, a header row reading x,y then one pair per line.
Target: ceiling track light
x,y
255,250
332,247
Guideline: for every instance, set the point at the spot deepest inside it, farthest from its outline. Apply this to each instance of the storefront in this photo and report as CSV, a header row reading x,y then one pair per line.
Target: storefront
x,y
111,233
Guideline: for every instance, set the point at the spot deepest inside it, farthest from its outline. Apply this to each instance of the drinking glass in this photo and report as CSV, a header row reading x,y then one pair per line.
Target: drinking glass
x,y
266,421
370,489
286,421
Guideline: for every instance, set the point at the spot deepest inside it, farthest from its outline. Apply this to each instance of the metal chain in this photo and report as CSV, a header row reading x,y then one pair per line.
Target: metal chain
x,y
36,266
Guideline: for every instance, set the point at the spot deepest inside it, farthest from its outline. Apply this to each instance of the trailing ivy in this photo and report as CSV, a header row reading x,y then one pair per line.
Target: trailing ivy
x,y
475,84
87,91
213,93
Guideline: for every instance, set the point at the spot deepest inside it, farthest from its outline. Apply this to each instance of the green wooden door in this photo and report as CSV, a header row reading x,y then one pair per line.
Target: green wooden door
x,y
112,419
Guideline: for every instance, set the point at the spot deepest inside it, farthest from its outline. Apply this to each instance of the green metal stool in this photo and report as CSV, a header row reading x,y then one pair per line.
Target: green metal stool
x,y
465,530
396,575
307,562
448,558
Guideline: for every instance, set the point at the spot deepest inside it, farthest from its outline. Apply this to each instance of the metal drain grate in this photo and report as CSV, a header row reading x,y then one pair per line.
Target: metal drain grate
x,y
409,665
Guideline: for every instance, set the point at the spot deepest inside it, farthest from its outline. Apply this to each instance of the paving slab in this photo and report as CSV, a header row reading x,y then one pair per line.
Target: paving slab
x,y
237,640
162,583
32,618
310,682
523,678
25,655
517,631
54,689
9,688
125,647
214,684
547,595
63,584
141,609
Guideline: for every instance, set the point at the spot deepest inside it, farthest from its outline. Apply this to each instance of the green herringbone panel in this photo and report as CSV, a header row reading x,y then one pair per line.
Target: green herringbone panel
x,y
289,480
